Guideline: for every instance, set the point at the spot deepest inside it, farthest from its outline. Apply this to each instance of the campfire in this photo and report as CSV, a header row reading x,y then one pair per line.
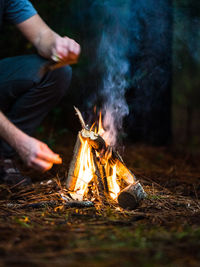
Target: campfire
x,y
98,171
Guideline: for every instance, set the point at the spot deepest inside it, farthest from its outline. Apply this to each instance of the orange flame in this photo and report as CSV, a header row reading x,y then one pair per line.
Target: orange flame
x,y
113,186
86,170
100,127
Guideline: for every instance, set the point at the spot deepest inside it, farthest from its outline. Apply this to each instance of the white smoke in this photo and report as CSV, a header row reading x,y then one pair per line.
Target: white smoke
x,y
113,51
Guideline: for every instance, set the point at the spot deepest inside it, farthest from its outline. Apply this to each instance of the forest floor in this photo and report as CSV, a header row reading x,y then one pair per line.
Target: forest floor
x,y
163,231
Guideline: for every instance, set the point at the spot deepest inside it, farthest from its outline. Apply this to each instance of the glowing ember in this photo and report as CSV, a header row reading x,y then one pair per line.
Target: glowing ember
x,y
113,186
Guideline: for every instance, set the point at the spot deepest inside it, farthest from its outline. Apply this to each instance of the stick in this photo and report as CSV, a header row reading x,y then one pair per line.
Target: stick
x,y
53,65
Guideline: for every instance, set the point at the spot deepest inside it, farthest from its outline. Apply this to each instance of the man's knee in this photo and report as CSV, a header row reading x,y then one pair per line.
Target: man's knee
x,y
62,79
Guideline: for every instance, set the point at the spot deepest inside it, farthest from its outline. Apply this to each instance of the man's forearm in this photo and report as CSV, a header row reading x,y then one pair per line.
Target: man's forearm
x,y
33,152
9,132
39,34
45,43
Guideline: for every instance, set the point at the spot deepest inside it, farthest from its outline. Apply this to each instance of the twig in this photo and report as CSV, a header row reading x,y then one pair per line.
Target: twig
x,y
78,113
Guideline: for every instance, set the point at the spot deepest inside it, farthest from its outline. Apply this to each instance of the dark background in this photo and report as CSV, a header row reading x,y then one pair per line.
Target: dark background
x,y
163,96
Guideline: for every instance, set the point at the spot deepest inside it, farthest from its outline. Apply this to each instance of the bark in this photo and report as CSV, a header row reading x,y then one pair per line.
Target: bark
x,y
131,196
74,166
94,140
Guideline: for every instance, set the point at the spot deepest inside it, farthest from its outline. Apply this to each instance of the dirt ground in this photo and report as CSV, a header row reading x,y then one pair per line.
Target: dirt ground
x,y
163,231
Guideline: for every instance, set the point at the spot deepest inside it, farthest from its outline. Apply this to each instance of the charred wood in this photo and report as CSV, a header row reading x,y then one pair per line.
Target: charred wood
x,y
103,175
99,180
94,140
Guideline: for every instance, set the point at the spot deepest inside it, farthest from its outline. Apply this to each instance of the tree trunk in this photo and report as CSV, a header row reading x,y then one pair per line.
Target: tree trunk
x,y
189,123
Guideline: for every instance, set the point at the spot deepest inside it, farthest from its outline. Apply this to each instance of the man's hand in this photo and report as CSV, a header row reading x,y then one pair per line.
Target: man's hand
x,y
33,152
37,154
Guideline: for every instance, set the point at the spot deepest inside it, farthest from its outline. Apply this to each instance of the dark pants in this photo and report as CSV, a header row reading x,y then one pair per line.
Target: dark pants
x,y
25,96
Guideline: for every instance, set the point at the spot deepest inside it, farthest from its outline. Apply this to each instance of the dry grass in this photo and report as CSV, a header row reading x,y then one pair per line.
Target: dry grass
x,y
163,230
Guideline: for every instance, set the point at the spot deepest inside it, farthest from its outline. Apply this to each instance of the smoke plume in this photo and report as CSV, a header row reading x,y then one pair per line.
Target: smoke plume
x,y
113,53
132,45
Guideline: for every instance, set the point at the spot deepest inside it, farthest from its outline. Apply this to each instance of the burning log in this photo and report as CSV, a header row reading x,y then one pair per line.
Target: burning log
x,y
114,158
131,196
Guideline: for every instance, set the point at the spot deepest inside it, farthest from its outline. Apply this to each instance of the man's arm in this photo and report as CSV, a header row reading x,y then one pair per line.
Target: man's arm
x,y
47,42
33,152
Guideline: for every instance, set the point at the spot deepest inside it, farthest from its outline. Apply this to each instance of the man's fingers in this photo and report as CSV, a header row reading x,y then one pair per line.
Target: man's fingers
x,y
61,51
73,47
49,156
41,165
67,48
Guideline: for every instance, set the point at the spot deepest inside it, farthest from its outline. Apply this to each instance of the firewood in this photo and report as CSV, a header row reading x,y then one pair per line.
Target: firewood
x,y
114,158
131,196
102,156
94,140
74,166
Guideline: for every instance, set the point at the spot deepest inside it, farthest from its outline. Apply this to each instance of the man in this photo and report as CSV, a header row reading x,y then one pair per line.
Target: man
x,y
25,96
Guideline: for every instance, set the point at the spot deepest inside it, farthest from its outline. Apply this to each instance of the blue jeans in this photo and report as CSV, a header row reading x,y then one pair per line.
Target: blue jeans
x,y
25,96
